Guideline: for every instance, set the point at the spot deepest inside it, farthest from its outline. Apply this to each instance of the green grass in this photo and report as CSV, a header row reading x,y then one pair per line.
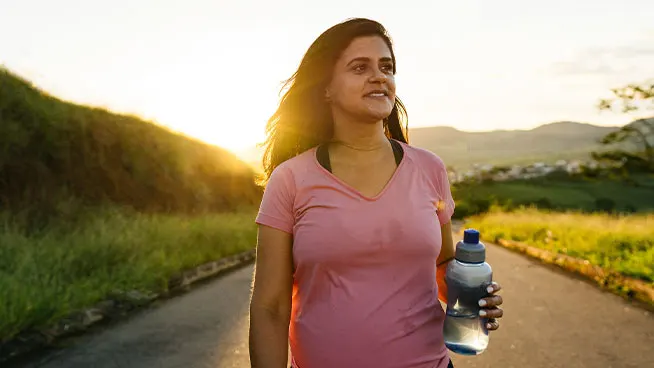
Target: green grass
x,y
46,276
624,244
558,193
93,202
52,149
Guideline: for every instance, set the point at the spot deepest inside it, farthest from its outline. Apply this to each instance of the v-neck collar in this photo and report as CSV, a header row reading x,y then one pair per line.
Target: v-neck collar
x,y
322,154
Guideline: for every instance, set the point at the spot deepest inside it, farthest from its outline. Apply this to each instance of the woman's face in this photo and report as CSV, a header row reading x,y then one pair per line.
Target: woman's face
x,y
363,85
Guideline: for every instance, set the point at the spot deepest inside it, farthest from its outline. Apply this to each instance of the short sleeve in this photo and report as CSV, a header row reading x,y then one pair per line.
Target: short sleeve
x,y
440,179
276,209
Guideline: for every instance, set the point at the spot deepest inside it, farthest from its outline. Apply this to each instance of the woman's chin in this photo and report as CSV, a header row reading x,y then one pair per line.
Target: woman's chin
x,y
378,115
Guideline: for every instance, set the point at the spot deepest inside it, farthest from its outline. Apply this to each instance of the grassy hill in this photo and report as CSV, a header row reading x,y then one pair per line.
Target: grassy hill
x,y
546,143
93,202
52,151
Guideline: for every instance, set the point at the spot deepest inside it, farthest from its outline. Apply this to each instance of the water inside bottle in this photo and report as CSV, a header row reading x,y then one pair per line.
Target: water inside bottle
x,y
465,334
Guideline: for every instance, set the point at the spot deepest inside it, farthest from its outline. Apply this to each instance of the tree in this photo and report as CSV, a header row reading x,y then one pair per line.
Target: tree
x,y
639,133
630,98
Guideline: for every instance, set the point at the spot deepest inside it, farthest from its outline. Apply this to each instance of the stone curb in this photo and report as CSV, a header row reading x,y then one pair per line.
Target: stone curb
x,y
622,285
119,304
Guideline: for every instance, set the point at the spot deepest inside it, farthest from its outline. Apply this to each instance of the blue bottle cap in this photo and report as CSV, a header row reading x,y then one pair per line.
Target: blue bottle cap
x,y
470,250
471,236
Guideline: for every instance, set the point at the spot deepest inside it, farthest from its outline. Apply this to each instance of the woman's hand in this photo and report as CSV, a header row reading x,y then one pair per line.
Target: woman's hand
x,y
490,307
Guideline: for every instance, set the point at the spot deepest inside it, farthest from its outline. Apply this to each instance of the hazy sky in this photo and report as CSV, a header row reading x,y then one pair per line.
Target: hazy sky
x,y
213,68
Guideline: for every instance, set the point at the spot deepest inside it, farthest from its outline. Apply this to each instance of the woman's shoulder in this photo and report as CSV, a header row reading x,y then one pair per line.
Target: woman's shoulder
x,y
296,165
300,161
424,157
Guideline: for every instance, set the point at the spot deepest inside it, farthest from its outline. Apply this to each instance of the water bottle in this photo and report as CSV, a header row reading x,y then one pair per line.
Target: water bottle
x,y
467,278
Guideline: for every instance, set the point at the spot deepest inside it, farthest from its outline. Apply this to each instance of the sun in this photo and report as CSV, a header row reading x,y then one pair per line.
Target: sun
x,y
237,137
220,106
239,140
239,128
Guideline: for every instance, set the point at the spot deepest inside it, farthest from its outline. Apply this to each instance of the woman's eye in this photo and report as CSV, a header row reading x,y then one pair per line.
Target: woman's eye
x,y
385,68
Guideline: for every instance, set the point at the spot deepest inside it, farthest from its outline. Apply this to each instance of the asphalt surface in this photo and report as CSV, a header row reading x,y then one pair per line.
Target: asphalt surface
x,y
551,320
205,328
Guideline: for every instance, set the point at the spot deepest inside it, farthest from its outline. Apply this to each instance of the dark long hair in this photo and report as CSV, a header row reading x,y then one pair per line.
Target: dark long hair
x,y
303,118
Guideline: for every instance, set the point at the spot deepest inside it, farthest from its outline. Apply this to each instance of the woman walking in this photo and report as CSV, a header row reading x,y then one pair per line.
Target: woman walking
x,y
354,225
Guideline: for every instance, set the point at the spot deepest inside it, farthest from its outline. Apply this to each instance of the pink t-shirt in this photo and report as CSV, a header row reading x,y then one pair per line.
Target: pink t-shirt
x,y
364,289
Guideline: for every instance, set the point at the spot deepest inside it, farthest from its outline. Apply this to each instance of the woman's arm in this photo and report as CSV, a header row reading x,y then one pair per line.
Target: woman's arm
x,y
270,306
445,256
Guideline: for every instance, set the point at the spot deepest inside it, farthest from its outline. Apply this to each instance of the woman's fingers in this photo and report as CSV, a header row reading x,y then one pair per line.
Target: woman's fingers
x,y
493,288
491,313
492,325
490,307
491,301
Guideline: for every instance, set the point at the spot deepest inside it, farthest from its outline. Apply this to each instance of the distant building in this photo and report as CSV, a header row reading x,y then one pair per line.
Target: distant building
x,y
574,167
535,170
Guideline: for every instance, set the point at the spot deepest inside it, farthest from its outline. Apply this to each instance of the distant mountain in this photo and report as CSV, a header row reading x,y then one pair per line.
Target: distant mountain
x,y
546,143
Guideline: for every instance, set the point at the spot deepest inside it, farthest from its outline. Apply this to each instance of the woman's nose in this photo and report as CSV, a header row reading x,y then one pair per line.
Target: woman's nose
x,y
378,77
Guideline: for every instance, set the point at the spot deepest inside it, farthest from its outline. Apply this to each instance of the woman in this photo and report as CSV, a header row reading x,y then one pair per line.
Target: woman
x,y
354,222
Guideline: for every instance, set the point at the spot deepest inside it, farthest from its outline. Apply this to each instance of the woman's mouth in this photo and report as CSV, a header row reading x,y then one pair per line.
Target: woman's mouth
x,y
377,93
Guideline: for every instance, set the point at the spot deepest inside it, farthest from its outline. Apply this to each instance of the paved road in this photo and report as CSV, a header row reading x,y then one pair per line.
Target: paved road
x,y
556,321
206,328
551,320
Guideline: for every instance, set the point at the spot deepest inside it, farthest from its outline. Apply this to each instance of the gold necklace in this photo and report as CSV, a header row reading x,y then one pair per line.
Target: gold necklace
x,y
357,148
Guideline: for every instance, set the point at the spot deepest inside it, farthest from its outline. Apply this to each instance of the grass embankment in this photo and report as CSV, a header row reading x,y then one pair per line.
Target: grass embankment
x,y
92,202
45,277
51,150
624,244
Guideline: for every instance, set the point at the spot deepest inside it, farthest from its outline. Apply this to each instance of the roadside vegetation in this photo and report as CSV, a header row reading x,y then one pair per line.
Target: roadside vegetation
x,y
603,215
93,202
620,243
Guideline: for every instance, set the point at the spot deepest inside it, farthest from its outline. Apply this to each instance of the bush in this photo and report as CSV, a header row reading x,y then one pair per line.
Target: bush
x,y
544,203
605,204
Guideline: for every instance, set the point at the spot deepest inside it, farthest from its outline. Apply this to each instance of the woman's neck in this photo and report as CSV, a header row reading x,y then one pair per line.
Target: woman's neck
x,y
360,136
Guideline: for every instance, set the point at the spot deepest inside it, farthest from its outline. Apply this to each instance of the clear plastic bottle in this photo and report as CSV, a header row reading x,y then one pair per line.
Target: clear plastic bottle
x,y
467,278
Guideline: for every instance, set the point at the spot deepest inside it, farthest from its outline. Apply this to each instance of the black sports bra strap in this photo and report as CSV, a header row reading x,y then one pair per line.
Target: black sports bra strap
x,y
397,151
322,154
